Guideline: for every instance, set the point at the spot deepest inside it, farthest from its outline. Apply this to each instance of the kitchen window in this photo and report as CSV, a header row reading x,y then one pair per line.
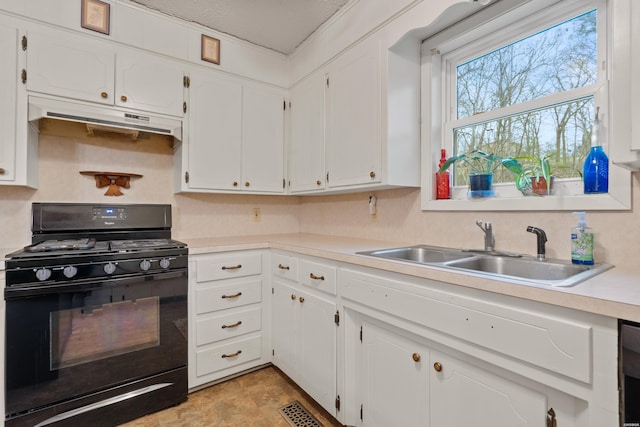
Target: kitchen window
x,y
521,80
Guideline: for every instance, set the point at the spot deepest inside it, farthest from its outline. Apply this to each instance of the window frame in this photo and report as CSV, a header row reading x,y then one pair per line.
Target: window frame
x,y
493,25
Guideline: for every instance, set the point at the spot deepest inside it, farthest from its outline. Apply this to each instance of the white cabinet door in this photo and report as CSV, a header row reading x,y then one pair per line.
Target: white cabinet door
x,y
464,395
262,139
8,89
317,344
215,140
70,66
285,329
392,379
304,341
306,160
354,136
150,83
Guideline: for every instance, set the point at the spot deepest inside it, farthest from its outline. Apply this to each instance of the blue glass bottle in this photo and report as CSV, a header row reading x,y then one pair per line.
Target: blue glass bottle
x,y
596,171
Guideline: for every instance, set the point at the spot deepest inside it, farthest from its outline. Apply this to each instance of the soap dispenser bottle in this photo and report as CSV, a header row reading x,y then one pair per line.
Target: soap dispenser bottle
x,y
581,242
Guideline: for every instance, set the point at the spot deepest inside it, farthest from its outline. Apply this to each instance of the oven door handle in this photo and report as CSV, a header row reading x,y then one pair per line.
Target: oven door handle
x,y
37,289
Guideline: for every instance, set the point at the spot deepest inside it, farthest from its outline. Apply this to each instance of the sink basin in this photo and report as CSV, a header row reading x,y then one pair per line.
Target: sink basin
x,y
521,270
421,254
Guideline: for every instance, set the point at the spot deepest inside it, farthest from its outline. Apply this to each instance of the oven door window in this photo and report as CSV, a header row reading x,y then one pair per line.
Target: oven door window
x,y
87,334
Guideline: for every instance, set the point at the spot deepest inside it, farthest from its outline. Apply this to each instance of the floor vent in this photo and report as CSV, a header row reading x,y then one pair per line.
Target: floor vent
x,y
298,416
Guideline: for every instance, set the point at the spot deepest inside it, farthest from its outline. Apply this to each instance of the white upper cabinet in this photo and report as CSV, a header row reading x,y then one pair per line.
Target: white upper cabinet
x,y
354,125
8,83
306,151
262,139
235,137
70,66
18,140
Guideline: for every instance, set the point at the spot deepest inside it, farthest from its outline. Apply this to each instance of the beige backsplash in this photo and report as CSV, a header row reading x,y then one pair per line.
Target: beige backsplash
x,y
209,215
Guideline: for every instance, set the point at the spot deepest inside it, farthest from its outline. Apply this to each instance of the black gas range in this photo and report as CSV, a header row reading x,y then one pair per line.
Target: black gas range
x,y
96,316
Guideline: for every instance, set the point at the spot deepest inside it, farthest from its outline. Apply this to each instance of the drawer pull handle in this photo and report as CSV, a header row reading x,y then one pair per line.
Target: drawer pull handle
x,y
231,267
233,325
301,299
232,296
283,267
237,353
437,366
314,277
415,357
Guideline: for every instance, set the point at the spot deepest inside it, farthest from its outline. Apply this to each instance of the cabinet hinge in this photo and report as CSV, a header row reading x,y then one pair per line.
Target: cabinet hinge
x,y
551,418
327,81
24,42
360,333
273,291
336,318
23,76
284,104
273,352
361,411
327,176
186,177
184,107
284,183
338,402
186,81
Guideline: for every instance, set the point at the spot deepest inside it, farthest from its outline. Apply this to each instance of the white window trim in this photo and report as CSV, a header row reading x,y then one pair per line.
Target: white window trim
x,y
508,198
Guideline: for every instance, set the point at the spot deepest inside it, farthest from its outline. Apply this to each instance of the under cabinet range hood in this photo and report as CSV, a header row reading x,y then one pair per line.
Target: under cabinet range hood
x,y
103,117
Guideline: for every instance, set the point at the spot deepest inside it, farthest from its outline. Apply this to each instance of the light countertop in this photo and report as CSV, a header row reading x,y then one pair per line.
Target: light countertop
x,y
614,293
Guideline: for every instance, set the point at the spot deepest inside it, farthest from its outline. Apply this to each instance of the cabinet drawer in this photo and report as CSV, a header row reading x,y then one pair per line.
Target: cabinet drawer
x,y
285,267
318,276
225,296
554,343
219,267
228,355
229,325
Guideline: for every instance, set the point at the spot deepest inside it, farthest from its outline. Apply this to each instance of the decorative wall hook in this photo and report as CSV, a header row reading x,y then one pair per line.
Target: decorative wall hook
x,y
114,180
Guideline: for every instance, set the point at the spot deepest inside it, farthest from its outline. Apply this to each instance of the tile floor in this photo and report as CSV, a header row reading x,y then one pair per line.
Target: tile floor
x,y
251,400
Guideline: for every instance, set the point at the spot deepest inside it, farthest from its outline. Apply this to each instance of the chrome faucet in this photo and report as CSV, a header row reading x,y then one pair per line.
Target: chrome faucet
x,y
489,240
541,239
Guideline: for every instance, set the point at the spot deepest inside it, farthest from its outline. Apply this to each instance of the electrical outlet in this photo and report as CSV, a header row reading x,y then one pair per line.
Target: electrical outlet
x,y
256,214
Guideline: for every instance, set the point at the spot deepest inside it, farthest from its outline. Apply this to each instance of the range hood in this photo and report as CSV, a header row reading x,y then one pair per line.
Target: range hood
x,y
103,117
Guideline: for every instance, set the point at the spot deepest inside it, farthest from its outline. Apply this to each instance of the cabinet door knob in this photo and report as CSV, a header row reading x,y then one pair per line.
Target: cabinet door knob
x,y
318,182
235,183
415,357
104,94
293,297
283,267
2,171
437,366
372,174
247,184
301,299
123,98
314,277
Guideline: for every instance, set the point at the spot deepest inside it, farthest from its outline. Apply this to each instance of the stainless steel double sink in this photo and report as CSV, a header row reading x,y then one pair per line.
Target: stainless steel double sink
x,y
514,268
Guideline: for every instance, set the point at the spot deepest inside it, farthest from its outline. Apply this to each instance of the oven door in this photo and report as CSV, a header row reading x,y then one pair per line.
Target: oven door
x,y
66,341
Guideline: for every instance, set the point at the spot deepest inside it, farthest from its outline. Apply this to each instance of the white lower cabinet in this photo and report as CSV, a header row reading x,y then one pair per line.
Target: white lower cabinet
x,y
226,315
304,332
424,353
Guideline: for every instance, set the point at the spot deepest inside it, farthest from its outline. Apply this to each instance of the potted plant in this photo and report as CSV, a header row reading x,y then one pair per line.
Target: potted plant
x,y
481,166
533,174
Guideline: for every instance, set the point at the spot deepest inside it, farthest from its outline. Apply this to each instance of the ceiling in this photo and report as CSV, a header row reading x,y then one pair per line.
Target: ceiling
x,y
280,25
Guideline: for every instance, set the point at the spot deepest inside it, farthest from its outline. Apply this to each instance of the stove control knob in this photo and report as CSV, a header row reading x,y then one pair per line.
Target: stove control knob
x,y
43,274
165,263
69,271
109,268
145,264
